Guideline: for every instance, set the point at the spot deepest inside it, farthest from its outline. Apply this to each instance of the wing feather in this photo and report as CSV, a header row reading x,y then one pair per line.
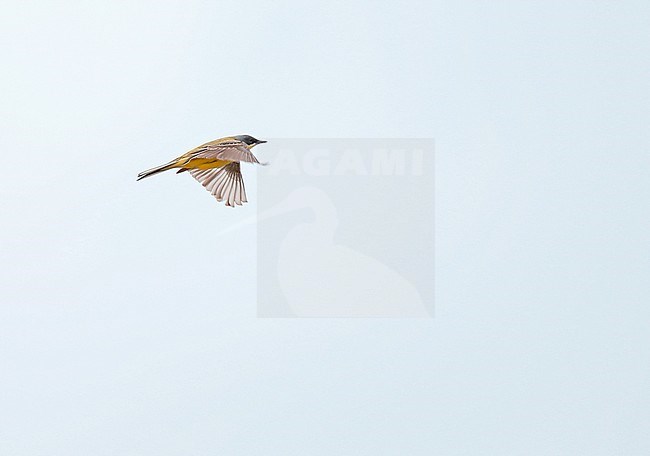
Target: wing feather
x,y
225,183
225,150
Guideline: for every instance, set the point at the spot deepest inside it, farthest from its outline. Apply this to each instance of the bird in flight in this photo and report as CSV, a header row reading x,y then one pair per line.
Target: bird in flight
x,y
215,165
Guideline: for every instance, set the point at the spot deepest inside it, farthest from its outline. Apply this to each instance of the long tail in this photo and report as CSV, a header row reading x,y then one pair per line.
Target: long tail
x,y
156,170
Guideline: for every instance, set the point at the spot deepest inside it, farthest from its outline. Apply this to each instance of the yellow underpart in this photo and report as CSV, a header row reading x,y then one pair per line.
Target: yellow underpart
x,y
201,163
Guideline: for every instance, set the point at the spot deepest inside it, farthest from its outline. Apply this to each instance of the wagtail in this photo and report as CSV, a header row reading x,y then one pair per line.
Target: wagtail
x,y
215,165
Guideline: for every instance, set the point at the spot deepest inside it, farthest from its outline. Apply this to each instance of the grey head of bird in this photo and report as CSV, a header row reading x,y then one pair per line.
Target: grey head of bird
x,y
249,140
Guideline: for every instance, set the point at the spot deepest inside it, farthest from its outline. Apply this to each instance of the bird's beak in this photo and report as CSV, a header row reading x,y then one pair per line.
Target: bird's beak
x,y
261,142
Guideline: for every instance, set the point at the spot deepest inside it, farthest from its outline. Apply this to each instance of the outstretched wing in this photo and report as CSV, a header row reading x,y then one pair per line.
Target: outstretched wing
x,y
234,151
225,183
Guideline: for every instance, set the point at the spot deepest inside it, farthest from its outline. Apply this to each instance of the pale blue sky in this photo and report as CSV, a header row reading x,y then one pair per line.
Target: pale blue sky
x,y
119,335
